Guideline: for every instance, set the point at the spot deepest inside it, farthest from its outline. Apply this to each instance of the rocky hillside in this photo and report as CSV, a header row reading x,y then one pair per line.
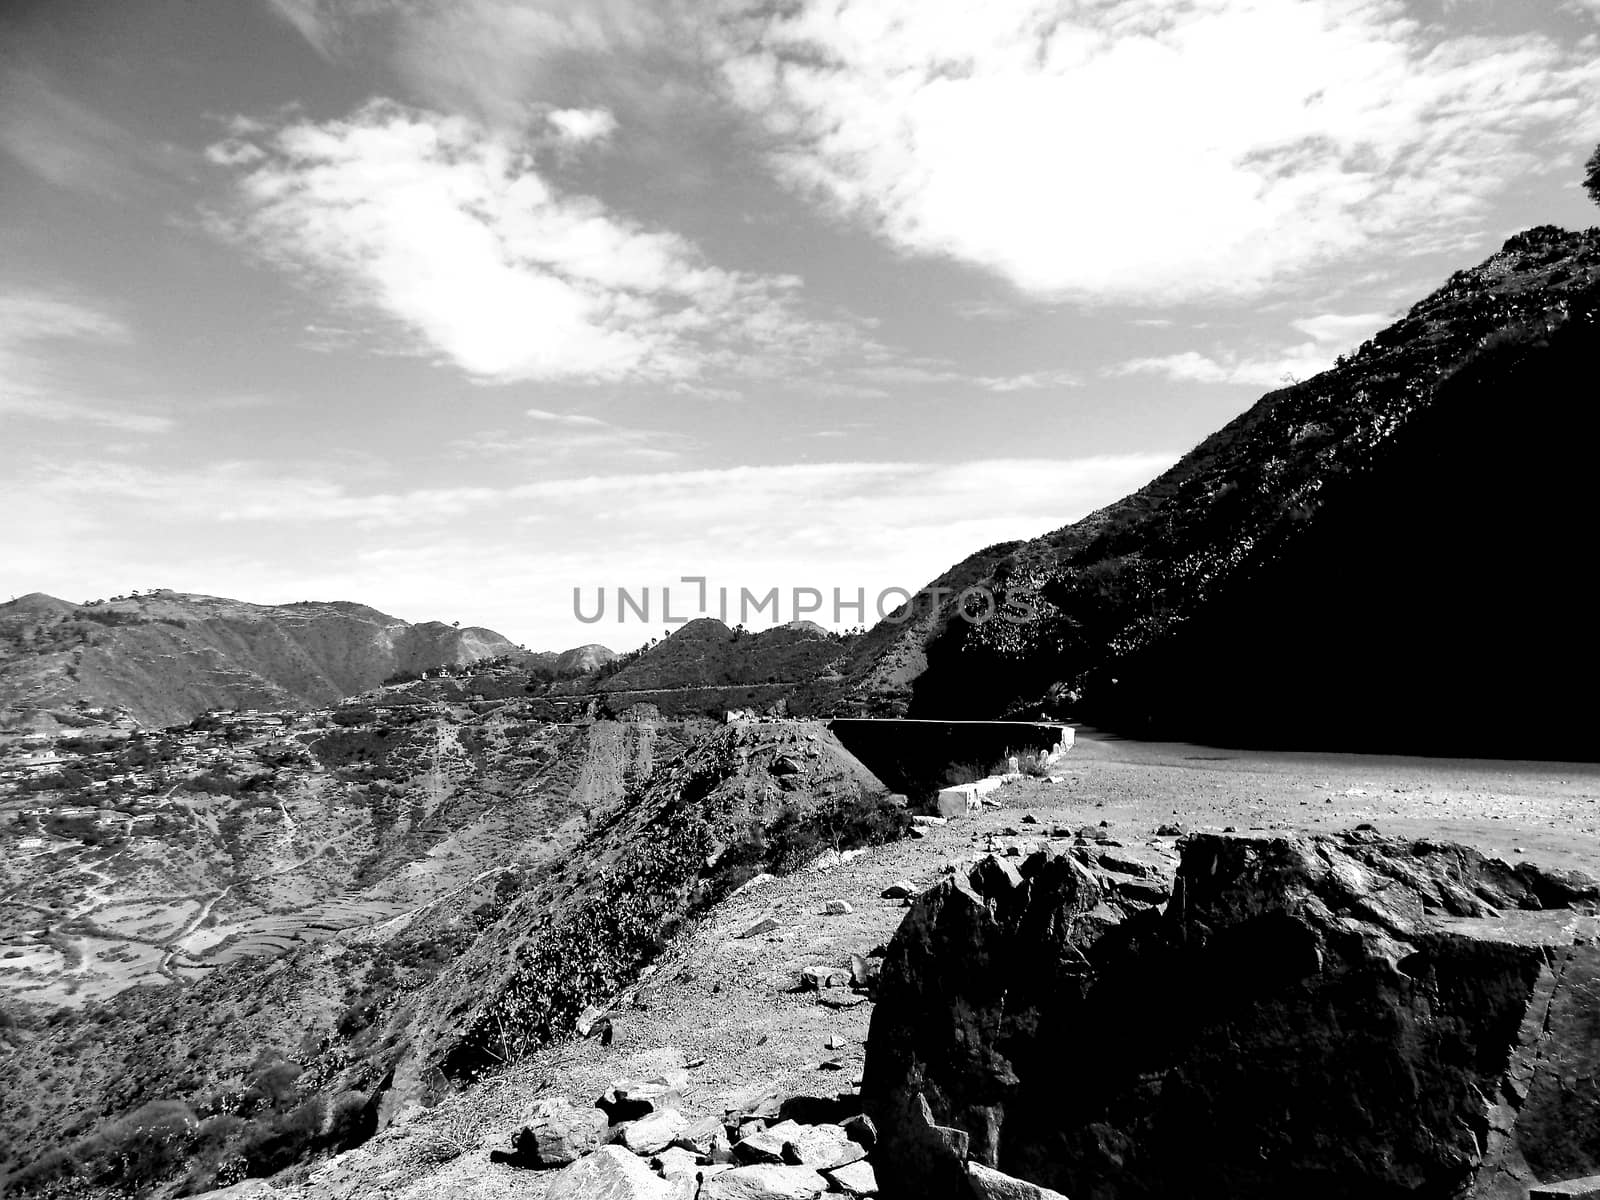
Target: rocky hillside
x,y
633,830
1403,530
168,656
707,653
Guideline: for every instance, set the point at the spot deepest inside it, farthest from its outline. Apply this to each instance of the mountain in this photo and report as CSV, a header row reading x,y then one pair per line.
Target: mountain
x,y
1388,556
705,653
583,660
166,657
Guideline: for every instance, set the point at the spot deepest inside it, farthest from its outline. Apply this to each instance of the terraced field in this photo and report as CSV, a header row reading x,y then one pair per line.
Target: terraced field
x,y
346,838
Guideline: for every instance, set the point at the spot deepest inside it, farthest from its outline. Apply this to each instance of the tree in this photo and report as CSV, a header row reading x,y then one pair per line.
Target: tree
x,y
1591,178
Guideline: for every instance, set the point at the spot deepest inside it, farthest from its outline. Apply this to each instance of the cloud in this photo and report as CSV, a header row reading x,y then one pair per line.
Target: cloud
x,y
70,145
850,525
1154,151
1330,334
1343,329
580,419
581,126
1271,371
571,435
452,232
502,61
35,381
928,372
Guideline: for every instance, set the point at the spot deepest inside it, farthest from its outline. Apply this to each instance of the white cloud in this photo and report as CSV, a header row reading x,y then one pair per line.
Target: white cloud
x,y
555,418
850,525
564,436
1343,329
930,372
500,60
69,144
35,379
1154,150
1330,333
581,126
451,230
1271,371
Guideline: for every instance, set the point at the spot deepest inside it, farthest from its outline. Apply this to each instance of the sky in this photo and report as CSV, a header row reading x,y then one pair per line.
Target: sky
x,y
456,308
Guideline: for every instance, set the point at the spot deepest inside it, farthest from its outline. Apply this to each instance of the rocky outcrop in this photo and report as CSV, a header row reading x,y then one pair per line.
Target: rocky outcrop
x,y
1321,1017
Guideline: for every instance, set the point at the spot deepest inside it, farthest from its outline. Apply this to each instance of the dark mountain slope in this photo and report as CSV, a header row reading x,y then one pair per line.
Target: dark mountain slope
x,y
1383,557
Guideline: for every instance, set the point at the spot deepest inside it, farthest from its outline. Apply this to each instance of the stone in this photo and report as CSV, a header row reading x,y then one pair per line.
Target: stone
x,y
1356,1010
761,1100
630,1099
706,1138
765,925
764,1145
899,890
610,1173
989,1184
853,1179
819,1147
1588,1188
863,970
837,908
929,822
860,1130
557,1132
838,997
589,1018
654,1133
994,876
1170,829
814,979
765,1181
954,802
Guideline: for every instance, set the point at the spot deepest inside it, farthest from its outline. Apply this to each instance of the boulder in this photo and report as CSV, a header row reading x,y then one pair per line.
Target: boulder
x,y
706,1138
900,889
559,1132
837,908
861,1130
765,1181
820,1147
610,1173
815,979
765,1145
1321,1016
630,1099
988,1184
853,1179
1587,1189
653,1133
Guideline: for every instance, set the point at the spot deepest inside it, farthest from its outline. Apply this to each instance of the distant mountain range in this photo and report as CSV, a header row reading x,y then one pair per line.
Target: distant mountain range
x,y
167,656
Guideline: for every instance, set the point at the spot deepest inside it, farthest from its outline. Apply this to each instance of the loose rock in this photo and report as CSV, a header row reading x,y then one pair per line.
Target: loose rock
x,y
610,1173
